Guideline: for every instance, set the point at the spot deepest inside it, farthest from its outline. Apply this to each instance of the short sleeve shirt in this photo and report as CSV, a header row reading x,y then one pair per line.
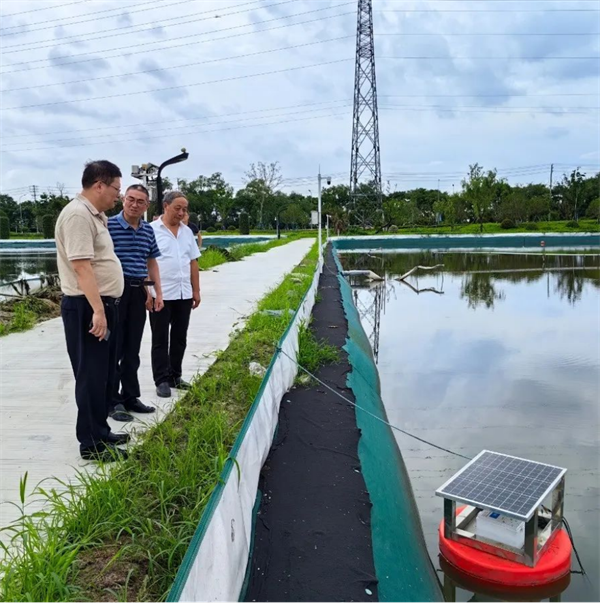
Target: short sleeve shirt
x,y
176,254
81,233
133,246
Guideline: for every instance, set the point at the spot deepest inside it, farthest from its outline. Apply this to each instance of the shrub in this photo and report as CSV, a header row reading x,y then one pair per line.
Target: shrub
x,y
4,227
393,228
232,227
211,229
531,226
507,224
593,210
48,226
572,224
244,224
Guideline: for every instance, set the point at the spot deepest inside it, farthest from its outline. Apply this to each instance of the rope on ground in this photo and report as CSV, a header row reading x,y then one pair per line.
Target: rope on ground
x,y
368,412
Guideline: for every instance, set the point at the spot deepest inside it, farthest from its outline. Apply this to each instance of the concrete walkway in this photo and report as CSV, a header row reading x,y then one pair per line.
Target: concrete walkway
x,y
37,401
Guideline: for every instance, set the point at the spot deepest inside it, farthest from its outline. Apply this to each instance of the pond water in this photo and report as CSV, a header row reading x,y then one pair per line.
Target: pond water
x,y
499,352
21,259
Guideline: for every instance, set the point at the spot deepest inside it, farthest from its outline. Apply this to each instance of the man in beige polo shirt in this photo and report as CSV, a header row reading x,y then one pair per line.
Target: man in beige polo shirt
x,y
92,283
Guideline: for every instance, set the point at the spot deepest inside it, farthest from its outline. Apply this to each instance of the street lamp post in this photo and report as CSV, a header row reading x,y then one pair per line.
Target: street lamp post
x,y
149,173
319,179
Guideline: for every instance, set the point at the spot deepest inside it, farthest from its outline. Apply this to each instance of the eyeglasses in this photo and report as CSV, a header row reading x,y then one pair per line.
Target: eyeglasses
x,y
111,186
134,201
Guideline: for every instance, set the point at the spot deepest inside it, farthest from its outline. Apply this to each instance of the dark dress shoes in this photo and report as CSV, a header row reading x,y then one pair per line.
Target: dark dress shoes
x,y
180,384
118,438
138,406
104,453
163,390
119,413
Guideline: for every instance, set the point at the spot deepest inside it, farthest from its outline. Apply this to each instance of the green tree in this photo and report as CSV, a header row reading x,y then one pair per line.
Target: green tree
x,y
244,223
4,227
10,208
593,210
267,178
569,192
48,226
479,189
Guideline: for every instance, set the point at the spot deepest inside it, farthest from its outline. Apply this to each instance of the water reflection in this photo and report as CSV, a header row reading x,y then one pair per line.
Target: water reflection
x,y
484,274
506,359
26,265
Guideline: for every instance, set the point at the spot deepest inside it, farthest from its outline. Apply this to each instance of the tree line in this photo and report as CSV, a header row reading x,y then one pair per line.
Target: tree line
x,y
482,197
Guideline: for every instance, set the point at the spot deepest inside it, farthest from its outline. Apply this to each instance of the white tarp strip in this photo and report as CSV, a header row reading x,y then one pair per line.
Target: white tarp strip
x,y
218,569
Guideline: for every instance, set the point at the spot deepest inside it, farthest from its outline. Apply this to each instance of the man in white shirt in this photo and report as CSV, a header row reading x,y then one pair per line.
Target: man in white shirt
x,y
180,280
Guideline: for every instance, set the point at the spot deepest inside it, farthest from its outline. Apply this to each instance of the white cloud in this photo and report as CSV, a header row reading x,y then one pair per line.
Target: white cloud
x,y
82,50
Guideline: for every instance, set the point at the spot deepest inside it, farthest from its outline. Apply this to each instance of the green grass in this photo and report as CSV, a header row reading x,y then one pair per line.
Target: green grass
x,y
121,534
315,353
25,313
26,235
213,256
585,225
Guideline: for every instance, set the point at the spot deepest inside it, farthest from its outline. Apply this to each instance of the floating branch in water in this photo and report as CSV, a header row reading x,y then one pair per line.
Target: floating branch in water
x,y
412,270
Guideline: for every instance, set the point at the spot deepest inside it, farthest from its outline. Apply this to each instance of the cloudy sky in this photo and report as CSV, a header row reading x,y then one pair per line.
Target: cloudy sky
x,y
509,84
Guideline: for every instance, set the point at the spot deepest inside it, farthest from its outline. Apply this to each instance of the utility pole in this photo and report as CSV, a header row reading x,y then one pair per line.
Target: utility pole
x,y
550,204
33,189
319,210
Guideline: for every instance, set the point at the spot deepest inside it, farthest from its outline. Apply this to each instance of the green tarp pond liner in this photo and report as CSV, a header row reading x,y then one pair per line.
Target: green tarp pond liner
x,y
402,564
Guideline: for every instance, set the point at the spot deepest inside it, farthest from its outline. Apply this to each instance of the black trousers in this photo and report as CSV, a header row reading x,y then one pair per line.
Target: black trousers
x,y
94,365
169,339
132,319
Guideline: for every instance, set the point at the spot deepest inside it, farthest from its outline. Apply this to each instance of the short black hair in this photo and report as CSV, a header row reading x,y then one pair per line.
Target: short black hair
x,y
138,187
99,171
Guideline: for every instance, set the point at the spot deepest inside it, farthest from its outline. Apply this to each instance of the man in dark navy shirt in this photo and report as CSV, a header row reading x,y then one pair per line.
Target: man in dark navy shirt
x,y
136,248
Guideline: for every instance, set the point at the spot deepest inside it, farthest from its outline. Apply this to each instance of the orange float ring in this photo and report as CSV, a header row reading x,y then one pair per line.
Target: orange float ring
x,y
554,564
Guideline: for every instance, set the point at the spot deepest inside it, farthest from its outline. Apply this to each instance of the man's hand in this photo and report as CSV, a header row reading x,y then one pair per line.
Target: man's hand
x,y
159,304
99,325
149,302
195,299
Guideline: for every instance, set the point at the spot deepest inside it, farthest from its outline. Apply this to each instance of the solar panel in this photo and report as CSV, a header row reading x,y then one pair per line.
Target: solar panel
x,y
510,485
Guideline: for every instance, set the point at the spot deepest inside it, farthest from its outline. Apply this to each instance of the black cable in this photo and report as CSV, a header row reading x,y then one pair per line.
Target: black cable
x,y
217,60
188,130
171,88
129,52
119,11
187,121
36,10
112,142
337,393
568,528
186,20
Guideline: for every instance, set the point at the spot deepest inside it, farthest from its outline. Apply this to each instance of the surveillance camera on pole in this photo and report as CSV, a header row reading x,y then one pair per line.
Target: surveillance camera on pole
x,y
150,175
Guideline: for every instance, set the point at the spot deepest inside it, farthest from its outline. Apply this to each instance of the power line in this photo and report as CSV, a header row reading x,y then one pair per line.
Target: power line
x,y
500,110
112,142
93,19
129,52
238,56
163,122
491,10
37,10
188,129
488,34
171,88
503,95
84,37
466,58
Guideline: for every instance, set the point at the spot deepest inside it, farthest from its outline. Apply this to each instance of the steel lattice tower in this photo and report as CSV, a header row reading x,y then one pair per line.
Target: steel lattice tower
x,y
365,160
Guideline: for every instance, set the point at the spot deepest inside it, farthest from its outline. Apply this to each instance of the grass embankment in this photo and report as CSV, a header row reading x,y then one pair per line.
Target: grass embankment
x,y
492,228
214,256
121,534
22,314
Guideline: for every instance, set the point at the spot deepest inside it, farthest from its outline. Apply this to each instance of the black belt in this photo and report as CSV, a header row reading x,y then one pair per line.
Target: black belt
x,y
138,282
109,301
